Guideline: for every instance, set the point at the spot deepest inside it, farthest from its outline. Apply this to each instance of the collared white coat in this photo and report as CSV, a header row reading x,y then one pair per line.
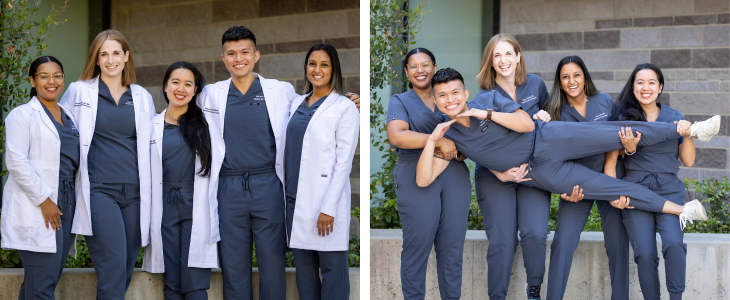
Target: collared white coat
x,y
203,251
328,148
278,96
33,153
82,98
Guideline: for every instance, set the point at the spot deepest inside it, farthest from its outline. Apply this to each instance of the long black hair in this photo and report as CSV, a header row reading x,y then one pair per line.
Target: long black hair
x,y
411,53
34,67
336,79
629,108
554,104
192,123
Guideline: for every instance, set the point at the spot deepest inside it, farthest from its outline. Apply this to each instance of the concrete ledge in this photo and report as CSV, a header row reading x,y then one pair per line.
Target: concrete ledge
x,y
708,268
79,284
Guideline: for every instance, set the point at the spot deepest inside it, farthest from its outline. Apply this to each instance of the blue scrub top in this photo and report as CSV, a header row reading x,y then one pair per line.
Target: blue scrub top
x,y
178,159
489,143
250,141
69,136
658,158
598,108
409,107
113,151
295,131
531,95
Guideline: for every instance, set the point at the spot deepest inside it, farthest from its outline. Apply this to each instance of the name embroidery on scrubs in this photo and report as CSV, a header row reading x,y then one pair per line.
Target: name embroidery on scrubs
x,y
482,123
210,110
129,102
258,98
601,116
528,99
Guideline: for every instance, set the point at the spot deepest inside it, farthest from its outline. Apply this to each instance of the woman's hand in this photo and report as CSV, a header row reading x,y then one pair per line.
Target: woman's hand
x,y
325,224
628,140
516,174
51,214
447,148
576,196
542,115
355,99
440,130
477,113
621,203
682,126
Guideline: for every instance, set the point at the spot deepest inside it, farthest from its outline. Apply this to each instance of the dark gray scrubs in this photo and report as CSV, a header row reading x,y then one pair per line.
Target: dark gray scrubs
x,y
519,206
333,264
178,175
572,217
42,271
250,199
553,168
434,216
114,185
656,167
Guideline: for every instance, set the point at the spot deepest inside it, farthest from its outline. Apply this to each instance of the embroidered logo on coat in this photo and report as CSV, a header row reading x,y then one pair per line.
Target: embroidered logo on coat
x,y
210,110
84,104
153,142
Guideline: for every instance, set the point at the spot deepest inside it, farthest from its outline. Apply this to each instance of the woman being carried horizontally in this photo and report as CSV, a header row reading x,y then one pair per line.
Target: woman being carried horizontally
x,y
321,138
183,225
39,201
501,136
433,216
654,167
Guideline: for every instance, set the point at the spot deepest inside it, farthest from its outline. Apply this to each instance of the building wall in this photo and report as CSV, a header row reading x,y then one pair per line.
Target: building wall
x,y
161,32
688,39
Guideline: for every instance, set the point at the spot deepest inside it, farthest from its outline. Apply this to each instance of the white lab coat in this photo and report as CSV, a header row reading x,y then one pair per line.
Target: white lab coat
x,y
278,96
82,98
324,174
33,153
203,251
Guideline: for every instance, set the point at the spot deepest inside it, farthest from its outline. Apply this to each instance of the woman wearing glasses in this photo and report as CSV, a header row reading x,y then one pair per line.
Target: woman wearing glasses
x,y
432,216
38,200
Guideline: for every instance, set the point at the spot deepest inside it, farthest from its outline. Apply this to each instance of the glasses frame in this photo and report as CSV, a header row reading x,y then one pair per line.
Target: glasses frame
x,y
51,76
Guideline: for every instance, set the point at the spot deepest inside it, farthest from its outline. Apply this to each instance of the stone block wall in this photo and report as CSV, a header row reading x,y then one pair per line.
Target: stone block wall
x,y
688,39
161,32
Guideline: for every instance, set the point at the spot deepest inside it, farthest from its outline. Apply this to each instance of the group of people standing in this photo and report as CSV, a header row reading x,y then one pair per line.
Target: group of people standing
x,y
528,143
240,161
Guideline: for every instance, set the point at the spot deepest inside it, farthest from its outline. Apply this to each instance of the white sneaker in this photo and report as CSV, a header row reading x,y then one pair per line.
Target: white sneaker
x,y
693,210
705,130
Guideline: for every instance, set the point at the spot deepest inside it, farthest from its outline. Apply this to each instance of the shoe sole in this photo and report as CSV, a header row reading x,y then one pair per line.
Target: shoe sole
x,y
702,213
715,121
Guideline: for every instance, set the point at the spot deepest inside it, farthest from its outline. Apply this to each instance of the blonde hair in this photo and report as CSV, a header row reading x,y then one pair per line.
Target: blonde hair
x,y
487,76
91,69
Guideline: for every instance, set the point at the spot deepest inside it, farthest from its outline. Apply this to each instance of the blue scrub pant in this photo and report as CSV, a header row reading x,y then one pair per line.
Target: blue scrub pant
x,y
433,216
251,208
181,282
507,206
42,271
557,144
642,227
116,238
572,219
335,283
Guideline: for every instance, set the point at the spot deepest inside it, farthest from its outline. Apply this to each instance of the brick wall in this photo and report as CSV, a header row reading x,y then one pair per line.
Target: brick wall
x,y
161,32
688,39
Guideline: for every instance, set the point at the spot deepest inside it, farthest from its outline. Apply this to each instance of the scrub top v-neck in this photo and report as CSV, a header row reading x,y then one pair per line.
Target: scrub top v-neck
x,y
658,158
113,150
295,131
531,95
410,108
599,107
488,141
178,159
69,136
250,141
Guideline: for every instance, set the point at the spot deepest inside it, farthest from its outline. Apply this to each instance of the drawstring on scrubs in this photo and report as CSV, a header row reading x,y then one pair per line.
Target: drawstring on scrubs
x,y
67,187
175,195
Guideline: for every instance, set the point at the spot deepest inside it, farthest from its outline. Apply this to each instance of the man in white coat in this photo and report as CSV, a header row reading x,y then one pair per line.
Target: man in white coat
x,y
247,117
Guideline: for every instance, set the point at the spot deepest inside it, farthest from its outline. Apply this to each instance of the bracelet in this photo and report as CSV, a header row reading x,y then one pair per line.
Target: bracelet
x,y
627,152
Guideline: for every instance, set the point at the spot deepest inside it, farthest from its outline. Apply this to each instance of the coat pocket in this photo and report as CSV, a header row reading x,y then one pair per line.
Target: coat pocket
x,y
23,214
